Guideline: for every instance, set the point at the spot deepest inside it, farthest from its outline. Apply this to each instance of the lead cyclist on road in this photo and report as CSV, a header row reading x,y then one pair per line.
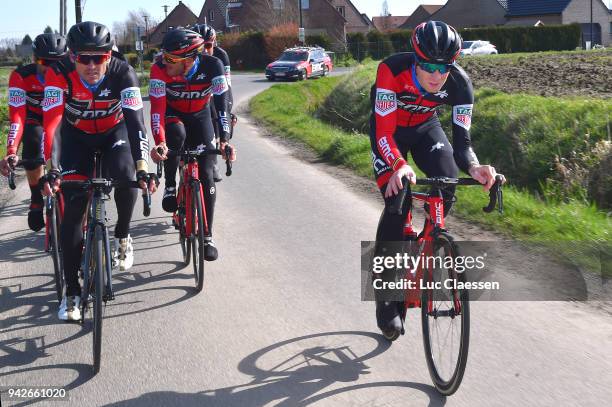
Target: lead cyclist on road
x,y
409,88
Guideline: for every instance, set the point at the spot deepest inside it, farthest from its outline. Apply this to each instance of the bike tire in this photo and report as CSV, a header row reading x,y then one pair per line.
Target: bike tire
x,y
197,239
53,220
446,382
98,280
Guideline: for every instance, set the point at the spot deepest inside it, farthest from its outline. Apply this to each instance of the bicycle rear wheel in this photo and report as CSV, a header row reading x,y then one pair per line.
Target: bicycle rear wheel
x,y
97,276
197,239
53,223
445,320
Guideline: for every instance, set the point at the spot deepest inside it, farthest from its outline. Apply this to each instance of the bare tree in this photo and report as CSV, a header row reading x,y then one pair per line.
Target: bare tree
x,y
125,31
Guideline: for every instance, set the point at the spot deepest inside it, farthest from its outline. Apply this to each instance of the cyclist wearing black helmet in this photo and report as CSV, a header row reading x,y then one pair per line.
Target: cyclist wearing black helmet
x,y
26,87
409,87
96,97
212,48
184,83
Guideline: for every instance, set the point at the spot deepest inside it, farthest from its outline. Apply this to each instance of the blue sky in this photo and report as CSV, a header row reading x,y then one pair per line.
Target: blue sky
x,y
32,16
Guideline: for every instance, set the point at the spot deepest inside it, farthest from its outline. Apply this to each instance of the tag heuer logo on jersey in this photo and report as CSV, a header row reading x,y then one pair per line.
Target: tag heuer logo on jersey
x,y
385,102
157,88
462,116
17,97
54,96
442,94
219,85
105,92
130,98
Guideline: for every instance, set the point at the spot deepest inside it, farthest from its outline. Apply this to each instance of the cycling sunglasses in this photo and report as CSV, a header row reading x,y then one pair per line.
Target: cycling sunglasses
x,y
173,59
97,59
209,45
431,68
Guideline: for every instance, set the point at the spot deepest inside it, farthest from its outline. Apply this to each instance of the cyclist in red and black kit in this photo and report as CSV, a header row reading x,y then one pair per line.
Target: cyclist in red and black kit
x,y
95,95
211,48
182,84
409,87
26,87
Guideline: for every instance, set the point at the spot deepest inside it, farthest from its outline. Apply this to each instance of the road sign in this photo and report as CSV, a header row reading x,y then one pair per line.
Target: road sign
x,y
139,46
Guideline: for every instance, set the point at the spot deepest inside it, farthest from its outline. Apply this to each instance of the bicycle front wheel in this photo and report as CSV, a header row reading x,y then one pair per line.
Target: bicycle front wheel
x,y
53,223
97,276
197,239
445,319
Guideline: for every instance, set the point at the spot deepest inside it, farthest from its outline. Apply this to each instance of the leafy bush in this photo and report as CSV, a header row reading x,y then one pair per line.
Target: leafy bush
x,y
357,45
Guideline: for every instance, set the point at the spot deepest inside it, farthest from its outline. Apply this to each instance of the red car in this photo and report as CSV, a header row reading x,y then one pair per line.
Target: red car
x,y
301,63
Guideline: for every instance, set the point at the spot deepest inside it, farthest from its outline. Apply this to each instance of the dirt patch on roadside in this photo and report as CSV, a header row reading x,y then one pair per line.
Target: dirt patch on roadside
x,y
586,74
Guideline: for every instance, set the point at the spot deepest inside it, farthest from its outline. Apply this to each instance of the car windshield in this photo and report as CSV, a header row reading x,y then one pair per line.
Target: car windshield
x,y
293,56
467,44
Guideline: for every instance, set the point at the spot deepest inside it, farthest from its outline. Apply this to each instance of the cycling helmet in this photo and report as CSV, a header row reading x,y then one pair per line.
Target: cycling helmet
x,y
436,42
182,42
206,31
89,36
49,46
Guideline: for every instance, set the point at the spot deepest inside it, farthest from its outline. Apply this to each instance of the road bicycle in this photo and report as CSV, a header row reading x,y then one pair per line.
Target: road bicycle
x,y
445,312
190,217
54,212
96,269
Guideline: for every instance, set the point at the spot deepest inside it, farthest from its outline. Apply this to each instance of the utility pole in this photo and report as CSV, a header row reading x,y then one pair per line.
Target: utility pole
x,y
78,10
61,22
146,18
301,35
65,7
592,39
165,7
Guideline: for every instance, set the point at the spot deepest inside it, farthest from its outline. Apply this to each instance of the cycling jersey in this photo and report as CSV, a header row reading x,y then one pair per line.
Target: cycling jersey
x,y
189,94
25,95
95,110
399,101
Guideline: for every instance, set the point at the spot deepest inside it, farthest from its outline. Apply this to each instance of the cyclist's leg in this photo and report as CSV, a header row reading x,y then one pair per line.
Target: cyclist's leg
x,y
390,229
77,163
118,164
32,149
175,138
433,154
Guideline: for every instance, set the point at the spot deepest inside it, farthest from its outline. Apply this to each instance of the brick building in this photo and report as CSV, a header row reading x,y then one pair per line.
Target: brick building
x,y
388,23
180,15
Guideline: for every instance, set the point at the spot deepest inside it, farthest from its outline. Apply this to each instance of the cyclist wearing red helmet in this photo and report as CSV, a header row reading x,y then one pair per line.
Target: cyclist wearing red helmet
x,y
182,84
26,87
409,88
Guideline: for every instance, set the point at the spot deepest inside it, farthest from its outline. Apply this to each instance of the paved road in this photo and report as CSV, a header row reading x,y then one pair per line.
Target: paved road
x,y
280,321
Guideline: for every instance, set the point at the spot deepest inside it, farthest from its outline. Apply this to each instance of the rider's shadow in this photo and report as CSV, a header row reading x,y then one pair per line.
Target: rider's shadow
x,y
299,380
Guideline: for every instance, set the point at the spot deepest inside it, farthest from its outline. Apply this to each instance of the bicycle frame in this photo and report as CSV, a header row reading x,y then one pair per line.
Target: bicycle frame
x,y
189,175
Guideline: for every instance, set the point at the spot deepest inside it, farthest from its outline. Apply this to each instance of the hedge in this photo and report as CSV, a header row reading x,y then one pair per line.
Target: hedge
x,y
527,39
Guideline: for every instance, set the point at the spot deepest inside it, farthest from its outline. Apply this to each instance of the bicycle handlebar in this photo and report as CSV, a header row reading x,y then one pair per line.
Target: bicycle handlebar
x,y
199,153
495,193
105,185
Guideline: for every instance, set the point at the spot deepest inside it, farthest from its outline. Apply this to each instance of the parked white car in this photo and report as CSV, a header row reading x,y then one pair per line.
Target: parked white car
x,y
478,48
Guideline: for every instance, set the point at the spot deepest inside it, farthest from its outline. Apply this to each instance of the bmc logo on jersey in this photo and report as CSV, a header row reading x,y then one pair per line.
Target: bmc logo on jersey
x,y
219,85
130,98
385,102
17,97
157,88
54,97
462,116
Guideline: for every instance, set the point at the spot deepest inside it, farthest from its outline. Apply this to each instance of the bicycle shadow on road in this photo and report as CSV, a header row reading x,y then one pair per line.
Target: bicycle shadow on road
x,y
297,380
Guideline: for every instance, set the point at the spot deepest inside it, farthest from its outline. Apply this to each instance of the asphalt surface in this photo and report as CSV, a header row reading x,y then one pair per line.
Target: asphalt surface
x,y
280,320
